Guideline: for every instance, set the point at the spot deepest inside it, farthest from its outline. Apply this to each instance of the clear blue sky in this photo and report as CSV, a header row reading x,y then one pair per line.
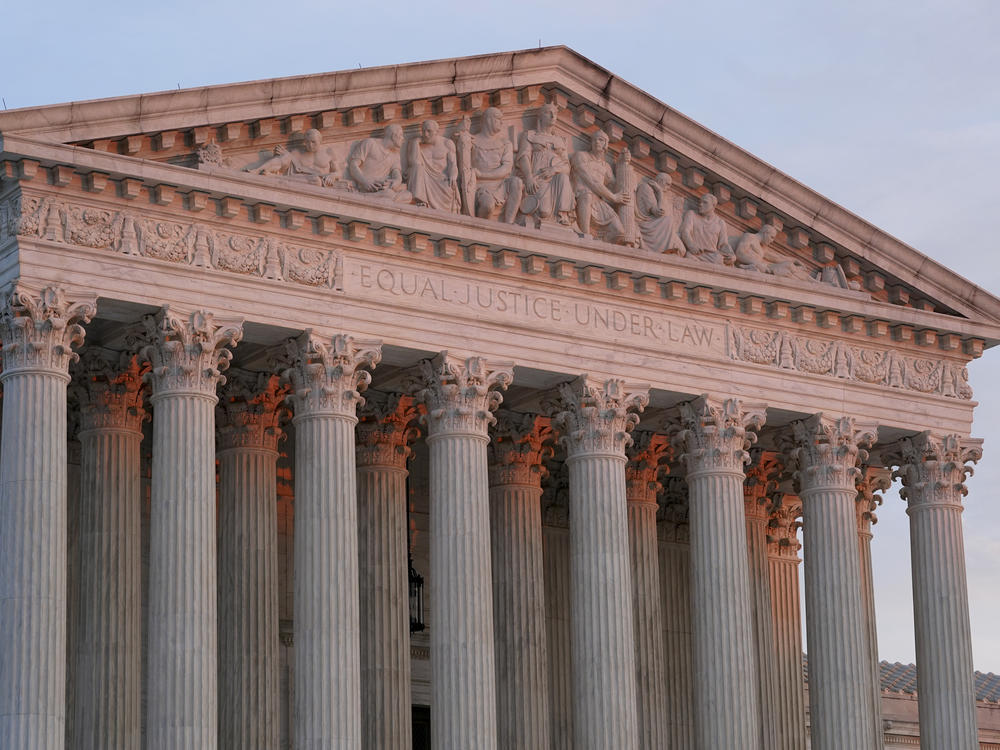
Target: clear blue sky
x,y
890,108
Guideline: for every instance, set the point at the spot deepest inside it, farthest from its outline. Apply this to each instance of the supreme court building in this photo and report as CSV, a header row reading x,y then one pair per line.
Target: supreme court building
x,y
500,346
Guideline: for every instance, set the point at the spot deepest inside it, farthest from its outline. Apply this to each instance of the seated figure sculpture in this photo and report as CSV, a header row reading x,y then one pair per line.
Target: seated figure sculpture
x,y
594,183
433,169
705,235
375,166
543,165
486,164
313,163
659,215
751,253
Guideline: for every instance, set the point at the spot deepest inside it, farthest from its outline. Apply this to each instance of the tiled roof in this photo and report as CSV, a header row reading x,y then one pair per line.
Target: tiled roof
x,y
902,678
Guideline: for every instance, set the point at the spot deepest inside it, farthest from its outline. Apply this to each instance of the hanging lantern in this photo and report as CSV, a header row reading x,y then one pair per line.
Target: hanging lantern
x,y
416,600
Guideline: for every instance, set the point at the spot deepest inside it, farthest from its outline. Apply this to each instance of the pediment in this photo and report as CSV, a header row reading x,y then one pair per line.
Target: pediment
x,y
689,195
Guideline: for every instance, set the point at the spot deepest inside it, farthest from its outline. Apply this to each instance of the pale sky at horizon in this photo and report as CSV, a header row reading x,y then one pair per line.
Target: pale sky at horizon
x,y
891,109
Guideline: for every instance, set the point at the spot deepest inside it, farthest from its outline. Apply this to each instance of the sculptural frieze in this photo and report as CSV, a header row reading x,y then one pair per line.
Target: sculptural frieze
x,y
433,169
376,168
659,214
311,162
543,165
704,233
597,192
487,184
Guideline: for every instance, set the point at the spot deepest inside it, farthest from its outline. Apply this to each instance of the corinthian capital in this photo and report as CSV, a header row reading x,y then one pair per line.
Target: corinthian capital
x,y
934,468
760,490
250,411
109,388
461,394
326,377
520,444
870,482
188,351
386,429
646,457
39,331
782,529
715,434
596,417
823,452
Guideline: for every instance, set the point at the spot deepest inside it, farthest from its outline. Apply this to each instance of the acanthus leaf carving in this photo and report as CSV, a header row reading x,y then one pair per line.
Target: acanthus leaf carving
x,y
647,463
188,352
870,482
386,428
783,524
109,389
761,491
596,417
519,447
327,376
250,412
461,394
673,510
823,452
715,435
933,468
39,330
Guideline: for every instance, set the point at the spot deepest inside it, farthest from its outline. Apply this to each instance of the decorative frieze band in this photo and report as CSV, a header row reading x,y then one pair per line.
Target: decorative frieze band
x,y
886,367
192,244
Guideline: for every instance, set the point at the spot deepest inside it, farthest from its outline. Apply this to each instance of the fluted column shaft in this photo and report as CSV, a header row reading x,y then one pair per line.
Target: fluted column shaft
x,y
108,651
459,402
518,583
933,469
642,485
37,334
186,355
783,572
555,540
714,442
326,381
760,598
595,426
865,504
248,435
840,707
675,581
382,453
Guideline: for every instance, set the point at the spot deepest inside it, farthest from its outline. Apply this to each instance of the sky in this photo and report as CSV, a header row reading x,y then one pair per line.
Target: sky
x,y
891,108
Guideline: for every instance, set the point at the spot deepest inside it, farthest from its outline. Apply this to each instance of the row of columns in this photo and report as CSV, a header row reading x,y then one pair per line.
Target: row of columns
x,y
486,556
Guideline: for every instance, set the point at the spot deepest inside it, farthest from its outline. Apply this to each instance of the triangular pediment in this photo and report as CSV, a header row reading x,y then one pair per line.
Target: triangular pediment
x,y
666,165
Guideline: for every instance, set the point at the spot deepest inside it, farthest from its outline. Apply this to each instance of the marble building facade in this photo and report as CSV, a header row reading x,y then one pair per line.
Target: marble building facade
x,y
611,382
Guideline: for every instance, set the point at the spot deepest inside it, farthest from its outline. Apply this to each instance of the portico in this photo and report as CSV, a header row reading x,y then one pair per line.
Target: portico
x,y
494,394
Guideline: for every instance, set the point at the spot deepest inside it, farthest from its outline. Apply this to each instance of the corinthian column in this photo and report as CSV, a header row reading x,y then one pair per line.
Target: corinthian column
x,y
518,583
933,469
824,458
594,422
760,483
713,443
783,567
555,546
384,434
872,481
327,379
109,390
188,354
460,399
641,487
37,333
248,419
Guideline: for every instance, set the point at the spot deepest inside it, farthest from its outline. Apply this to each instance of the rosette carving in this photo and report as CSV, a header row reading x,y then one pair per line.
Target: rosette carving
x,y
188,352
646,457
461,394
597,417
934,468
110,390
824,452
326,377
250,411
520,444
386,429
39,331
715,435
